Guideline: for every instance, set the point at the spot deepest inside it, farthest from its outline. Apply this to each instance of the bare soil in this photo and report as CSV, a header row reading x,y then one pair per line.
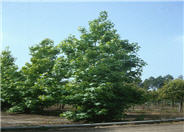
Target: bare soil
x,y
8,119
30,120
152,115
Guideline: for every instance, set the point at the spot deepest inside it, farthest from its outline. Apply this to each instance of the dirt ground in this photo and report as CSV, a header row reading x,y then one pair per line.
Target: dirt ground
x,y
8,119
30,120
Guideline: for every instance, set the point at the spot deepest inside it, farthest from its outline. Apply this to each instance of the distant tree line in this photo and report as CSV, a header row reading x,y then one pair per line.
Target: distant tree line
x,y
165,88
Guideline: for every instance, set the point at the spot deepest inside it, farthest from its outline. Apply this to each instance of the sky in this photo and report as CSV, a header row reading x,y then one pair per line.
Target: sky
x,y
157,27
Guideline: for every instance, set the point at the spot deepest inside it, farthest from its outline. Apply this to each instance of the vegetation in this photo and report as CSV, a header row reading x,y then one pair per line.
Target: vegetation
x,y
10,94
156,83
164,90
38,76
106,72
153,84
97,74
174,90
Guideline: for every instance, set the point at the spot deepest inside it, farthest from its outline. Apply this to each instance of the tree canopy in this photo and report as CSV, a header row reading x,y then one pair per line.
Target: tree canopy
x,y
154,83
98,74
174,90
9,79
41,86
106,70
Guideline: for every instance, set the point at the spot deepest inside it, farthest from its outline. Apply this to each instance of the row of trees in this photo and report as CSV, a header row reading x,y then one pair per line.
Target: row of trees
x,y
98,74
165,89
155,83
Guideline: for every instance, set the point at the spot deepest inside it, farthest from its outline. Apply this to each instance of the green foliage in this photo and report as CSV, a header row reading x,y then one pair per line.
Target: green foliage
x,y
173,90
9,79
153,96
156,83
16,108
105,70
153,86
98,74
38,84
42,86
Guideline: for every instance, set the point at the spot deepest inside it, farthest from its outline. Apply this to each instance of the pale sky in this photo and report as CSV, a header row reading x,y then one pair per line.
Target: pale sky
x,y
156,26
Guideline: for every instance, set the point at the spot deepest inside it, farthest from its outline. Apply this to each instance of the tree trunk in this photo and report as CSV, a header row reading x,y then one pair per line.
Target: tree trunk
x,y
172,103
133,107
63,106
181,105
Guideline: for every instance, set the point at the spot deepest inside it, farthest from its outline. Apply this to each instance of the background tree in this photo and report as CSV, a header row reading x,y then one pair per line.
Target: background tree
x,y
180,77
149,83
174,90
9,79
152,85
106,71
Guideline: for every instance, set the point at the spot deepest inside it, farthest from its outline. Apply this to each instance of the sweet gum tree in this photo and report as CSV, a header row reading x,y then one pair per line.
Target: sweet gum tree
x,y
39,84
105,72
40,88
9,79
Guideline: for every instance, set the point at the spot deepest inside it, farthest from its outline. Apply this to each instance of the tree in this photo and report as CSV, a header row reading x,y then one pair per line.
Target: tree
x,y
168,78
174,90
149,83
156,83
152,85
40,89
180,77
105,70
10,95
